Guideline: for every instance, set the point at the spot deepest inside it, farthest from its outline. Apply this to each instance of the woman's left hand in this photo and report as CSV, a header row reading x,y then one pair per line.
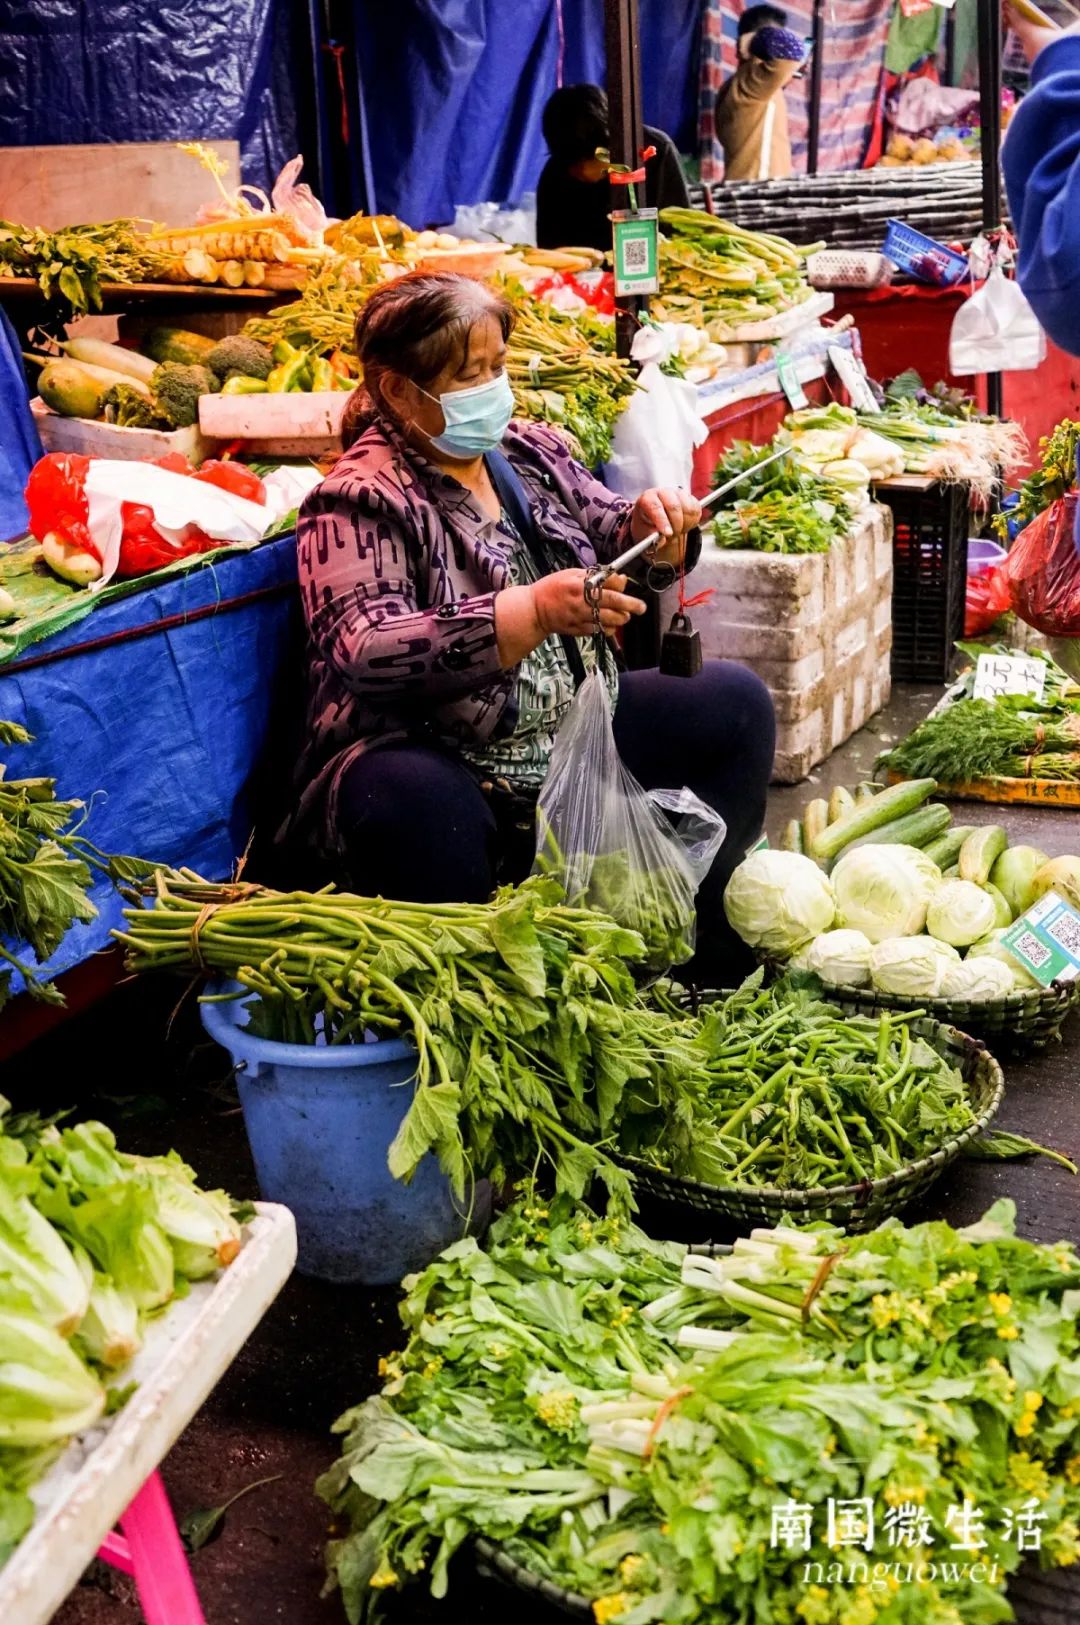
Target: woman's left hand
x,y
673,513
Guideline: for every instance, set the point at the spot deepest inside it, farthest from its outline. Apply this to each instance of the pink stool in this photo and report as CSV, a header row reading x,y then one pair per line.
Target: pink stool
x,y
150,1550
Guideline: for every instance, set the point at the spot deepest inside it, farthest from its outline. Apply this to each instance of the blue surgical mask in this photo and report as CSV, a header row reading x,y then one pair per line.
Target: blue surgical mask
x,y
475,419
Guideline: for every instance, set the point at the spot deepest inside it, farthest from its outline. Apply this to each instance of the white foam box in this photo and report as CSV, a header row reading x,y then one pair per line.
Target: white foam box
x,y
93,439
295,424
816,627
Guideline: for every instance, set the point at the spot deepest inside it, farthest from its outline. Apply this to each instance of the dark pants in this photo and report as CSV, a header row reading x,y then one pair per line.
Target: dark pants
x,y
417,826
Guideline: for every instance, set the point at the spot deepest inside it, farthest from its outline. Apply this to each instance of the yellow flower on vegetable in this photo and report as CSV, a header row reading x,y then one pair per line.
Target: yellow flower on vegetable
x,y
557,1409
1063,1543
1072,1470
1029,1475
918,1311
863,1610
608,1608
434,1366
1000,1303
897,1495
630,1566
383,1577
884,1310
1008,1334
815,1608
1026,1423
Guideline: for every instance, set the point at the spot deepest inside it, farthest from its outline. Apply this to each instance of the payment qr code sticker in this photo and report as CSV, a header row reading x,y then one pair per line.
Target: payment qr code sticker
x,y
1066,930
1033,950
636,254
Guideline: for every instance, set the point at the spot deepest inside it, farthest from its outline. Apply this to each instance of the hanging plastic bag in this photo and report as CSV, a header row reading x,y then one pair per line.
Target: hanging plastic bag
x,y
654,439
611,844
996,330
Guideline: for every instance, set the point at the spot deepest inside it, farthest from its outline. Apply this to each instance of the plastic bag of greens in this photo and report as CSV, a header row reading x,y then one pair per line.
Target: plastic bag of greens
x,y
639,855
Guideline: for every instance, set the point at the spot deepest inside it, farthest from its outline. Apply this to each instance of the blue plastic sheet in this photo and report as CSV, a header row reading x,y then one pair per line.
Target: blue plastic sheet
x,y
454,91
169,727
154,70
20,445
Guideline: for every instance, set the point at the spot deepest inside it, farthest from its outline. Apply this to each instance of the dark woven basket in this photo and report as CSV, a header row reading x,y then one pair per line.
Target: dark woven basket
x,y
855,1207
1017,1024
495,1564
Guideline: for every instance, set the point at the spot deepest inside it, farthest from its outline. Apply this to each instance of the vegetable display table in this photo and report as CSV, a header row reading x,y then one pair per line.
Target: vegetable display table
x,y
113,1466
157,710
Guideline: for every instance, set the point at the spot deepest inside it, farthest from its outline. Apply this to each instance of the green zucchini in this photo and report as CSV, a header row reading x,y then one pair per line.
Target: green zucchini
x,y
981,851
916,828
791,840
840,802
946,849
886,806
1004,915
815,822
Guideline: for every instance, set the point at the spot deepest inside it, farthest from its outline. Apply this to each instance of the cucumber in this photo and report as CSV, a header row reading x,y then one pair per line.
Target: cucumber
x,y
882,809
815,822
840,802
791,840
865,792
1004,915
916,828
981,851
946,849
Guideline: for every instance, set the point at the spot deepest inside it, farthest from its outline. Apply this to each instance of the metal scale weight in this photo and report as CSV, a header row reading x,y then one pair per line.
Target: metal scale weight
x,y
680,650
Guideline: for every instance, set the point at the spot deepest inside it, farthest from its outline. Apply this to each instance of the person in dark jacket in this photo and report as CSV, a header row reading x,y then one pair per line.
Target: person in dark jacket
x,y
1041,161
574,196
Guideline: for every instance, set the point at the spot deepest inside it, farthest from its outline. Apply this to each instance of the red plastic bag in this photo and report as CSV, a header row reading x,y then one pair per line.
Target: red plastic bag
x,y
988,596
1043,571
56,500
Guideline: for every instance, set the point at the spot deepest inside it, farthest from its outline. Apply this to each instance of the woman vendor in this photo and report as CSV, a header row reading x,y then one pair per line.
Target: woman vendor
x,y
442,565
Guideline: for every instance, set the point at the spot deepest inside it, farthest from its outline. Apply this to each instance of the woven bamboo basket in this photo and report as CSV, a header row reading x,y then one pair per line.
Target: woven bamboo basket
x,y
855,1207
1017,1024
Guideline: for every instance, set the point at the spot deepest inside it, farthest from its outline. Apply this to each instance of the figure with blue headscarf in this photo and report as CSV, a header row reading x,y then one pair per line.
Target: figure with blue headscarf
x,y
751,113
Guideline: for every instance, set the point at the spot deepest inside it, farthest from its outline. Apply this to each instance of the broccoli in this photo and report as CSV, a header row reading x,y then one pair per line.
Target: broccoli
x,y
129,409
239,354
176,390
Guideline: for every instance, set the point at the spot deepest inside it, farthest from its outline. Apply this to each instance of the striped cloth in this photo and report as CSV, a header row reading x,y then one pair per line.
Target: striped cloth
x,y
853,52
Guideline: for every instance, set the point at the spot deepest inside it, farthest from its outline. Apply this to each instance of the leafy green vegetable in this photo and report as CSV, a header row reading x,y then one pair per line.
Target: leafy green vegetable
x,y
782,509
975,739
627,1419
203,1524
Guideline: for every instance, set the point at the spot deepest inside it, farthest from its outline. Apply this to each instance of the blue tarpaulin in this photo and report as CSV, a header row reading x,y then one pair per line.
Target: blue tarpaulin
x,y
453,91
156,70
20,445
164,709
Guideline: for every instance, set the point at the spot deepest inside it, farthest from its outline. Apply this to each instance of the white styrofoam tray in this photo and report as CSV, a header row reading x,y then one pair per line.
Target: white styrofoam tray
x,y
187,1349
94,439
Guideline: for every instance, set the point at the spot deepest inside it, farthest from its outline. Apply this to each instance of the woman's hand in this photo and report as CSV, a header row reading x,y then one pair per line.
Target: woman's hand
x,y
673,513
525,616
1032,36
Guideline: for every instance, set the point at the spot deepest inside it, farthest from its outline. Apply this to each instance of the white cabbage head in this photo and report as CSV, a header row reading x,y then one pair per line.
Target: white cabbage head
x,y
979,978
779,901
883,891
960,913
841,957
914,967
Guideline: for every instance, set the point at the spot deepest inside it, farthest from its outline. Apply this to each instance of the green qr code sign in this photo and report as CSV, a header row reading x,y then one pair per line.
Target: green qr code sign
x,y
1046,940
636,239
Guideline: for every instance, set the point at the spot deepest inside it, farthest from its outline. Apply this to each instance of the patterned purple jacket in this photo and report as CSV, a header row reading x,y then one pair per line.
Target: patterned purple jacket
x,y
398,571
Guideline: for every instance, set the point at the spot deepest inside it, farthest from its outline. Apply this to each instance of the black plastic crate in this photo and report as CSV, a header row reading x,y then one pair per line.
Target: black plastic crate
x,y
930,530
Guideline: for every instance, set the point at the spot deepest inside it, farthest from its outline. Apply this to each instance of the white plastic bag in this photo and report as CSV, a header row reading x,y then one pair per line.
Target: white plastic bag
x,y
996,330
609,842
654,439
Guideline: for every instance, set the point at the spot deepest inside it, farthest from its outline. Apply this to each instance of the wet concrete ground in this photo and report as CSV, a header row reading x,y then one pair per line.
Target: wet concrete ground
x,y
317,1350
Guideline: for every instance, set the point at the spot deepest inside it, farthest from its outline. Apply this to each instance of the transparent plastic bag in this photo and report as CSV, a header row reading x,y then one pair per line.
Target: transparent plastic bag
x,y
612,845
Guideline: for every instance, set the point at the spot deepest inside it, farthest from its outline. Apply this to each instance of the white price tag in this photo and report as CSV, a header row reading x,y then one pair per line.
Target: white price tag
x,y
1009,674
852,374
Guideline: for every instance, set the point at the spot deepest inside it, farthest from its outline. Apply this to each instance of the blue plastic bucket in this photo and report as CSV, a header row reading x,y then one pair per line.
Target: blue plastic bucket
x,y
320,1119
